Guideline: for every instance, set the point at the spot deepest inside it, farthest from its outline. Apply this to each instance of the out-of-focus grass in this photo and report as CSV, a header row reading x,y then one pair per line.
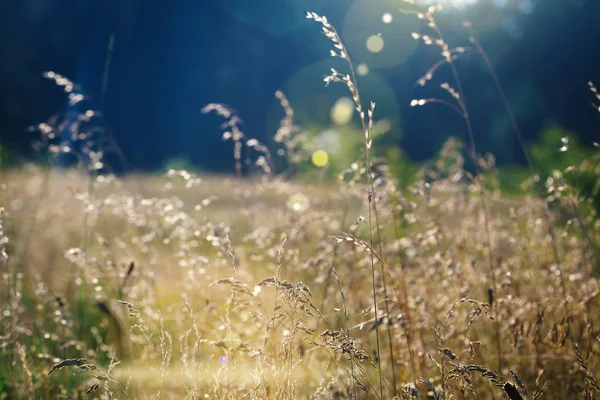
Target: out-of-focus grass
x,y
227,291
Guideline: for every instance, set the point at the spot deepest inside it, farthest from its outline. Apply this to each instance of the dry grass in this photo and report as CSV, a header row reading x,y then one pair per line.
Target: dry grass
x,y
214,303
186,286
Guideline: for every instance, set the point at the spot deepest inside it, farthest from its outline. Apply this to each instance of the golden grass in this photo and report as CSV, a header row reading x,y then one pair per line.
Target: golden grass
x,y
194,325
187,286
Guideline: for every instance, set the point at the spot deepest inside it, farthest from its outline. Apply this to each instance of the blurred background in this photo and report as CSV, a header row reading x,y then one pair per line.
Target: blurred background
x,y
151,65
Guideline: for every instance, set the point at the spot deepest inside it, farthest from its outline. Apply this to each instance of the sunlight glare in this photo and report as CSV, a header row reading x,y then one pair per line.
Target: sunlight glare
x,y
458,4
298,202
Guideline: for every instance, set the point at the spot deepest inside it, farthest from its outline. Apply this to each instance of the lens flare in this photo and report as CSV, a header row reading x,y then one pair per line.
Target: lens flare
x,y
377,35
458,4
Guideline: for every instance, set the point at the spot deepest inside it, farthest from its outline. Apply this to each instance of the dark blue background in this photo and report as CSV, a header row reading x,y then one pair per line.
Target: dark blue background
x,y
173,57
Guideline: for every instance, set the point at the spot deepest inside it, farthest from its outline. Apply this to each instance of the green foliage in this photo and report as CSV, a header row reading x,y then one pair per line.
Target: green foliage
x,y
578,165
6,157
179,163
343,145
511,179
557,149
401,167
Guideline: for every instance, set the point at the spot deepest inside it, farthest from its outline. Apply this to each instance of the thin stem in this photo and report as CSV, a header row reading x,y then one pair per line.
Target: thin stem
x,y
454,108
347,327
507,106
473,153
371,196
107,63
375,296
389,324
520,138
351,83
333,262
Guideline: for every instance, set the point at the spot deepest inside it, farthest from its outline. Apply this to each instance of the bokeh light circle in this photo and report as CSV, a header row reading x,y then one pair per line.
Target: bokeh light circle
x,y
362,69
313,101
342,111
329,140
378,34
298,202
320,158
375,43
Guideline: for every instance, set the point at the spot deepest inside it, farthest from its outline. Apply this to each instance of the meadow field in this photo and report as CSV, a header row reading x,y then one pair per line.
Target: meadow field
x,y
189,286
282,286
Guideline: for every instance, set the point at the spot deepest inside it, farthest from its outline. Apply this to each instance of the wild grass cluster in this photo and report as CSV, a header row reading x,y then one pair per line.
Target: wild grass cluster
x,y
271,287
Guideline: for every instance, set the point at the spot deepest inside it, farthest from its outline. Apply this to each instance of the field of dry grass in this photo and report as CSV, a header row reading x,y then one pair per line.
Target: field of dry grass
x,y
190,286
211,287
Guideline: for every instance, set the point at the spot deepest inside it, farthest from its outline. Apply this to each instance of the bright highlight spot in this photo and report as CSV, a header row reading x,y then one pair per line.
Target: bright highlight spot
x,y
329,141
379,18
342,110
362,69
374,43
320,158
298,202
458,4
